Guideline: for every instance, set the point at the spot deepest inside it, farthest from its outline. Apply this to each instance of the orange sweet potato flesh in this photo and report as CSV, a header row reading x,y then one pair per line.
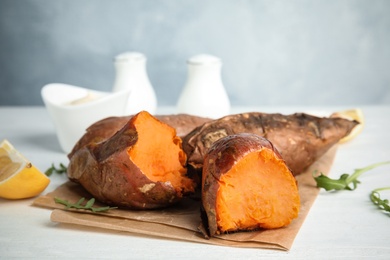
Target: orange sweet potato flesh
x,y
246,185
300,138
142,166
107,127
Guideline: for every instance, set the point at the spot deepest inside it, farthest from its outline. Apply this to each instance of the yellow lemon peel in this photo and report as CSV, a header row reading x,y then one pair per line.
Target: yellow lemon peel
x,y
19,179
351,114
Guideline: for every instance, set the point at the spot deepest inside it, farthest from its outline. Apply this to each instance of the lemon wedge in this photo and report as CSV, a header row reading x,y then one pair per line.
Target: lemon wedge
x,y
19,179
351,114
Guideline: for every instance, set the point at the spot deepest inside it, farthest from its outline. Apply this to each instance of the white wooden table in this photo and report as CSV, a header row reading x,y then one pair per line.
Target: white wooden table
x,y
344,224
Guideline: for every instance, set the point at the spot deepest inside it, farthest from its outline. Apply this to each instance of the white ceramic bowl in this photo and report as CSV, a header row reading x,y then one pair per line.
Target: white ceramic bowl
x,y
73,109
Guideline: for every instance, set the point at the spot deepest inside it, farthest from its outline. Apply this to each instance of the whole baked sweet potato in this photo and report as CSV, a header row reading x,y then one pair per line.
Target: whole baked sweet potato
x,y
142,166
107,127
246,185
300,138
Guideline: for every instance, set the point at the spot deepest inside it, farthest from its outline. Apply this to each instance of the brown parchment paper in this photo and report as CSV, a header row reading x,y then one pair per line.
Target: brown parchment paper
x,y
181,222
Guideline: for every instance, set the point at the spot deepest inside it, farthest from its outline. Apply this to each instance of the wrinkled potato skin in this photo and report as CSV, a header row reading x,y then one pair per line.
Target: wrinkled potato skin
x,y
105,128
105,170
183,123
219,159
300,138
100,131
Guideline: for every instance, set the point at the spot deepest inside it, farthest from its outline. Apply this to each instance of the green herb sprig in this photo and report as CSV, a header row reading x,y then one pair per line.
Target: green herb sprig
x,y
346,181
382,204
350,182
79,205
62,169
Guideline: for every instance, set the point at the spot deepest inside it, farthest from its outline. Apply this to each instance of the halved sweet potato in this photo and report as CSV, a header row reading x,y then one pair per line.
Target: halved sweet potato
x,y
107,127
142,166
246,185
300,138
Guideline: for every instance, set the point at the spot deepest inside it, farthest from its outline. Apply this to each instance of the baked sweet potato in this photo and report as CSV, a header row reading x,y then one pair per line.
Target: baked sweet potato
x,y
300,138
107,127
246,185
142,166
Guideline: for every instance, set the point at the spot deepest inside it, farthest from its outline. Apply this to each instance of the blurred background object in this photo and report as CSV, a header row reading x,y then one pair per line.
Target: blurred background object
x,y
274,52
204,94
72,109
131,75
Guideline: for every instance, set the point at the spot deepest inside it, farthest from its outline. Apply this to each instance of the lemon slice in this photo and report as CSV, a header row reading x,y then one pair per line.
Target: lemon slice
x,y
351,114
19,179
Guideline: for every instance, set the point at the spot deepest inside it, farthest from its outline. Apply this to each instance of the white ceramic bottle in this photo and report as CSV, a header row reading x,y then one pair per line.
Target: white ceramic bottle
x,y
131,74
204,93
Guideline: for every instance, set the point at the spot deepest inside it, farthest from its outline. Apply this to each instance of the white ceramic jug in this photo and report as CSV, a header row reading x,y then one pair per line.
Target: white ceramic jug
x,y
131,75
204,93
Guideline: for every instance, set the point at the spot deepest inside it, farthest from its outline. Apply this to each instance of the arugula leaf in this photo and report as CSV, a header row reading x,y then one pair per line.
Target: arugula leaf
x,y
79,205
346,181
375,198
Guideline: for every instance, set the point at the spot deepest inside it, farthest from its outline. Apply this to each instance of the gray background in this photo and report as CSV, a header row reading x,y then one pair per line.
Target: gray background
x,y
332,52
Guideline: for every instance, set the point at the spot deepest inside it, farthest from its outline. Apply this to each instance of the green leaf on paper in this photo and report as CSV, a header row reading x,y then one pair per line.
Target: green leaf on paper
x,y
79,205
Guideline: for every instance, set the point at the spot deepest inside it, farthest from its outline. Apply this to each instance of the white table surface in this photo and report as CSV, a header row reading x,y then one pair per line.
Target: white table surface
x,y
343,225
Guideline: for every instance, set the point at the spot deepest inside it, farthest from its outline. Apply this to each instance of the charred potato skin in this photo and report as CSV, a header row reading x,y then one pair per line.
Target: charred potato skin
x,y
105,170
220,158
